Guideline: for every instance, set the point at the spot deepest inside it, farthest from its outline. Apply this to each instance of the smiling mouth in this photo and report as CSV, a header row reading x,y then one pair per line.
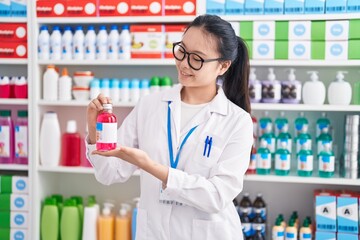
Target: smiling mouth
x,y
185,74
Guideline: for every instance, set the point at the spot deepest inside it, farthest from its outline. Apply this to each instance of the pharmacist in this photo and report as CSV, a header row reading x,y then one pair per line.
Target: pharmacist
x,y
191,143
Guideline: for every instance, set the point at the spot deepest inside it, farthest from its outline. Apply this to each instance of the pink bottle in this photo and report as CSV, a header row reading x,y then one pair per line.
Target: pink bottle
x,y
4,87
12,86
70,145
21,87
106,129
6,137
21,138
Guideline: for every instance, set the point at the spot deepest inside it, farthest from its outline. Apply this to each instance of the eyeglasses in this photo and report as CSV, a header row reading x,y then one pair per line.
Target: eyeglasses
x,y
194,60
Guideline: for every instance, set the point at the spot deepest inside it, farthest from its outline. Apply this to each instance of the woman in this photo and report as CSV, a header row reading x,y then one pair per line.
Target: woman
x,y
191,143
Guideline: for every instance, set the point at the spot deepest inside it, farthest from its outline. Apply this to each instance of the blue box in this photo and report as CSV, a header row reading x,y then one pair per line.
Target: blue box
x,y
5,8
254,7
314,6
294,7
325,235
346,236
325,212
353,6
274,7
347,214
335,6
18,8
215,7
234,7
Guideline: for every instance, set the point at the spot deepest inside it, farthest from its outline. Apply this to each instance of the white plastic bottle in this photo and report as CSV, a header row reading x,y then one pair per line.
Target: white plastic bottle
x,y
44,43
339,91
78,43
65,85
134,90
90,43
124,90
66,43
125,43
91,214
114,90
113,43
50,137
101,43
55,44
144,87
314,91
94,88
105,87
50,84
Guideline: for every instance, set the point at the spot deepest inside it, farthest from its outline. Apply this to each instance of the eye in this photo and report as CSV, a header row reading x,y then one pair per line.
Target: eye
x,y
196,58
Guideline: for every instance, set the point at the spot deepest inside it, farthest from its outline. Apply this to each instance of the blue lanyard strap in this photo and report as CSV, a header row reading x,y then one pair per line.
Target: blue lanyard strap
x,y
173,163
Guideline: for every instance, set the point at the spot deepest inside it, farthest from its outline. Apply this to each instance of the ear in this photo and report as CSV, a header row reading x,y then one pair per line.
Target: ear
x,y
224,66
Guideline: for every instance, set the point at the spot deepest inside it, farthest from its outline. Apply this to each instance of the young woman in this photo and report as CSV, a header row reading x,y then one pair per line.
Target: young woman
x,y
191,143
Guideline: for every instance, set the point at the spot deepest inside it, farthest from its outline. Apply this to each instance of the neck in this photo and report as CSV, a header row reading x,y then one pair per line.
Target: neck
x,y
198,95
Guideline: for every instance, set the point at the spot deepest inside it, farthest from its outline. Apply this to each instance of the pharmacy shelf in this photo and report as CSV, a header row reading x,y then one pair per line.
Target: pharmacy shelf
x,y
12,101
14,167
306,63
131,62
13,61
13,19
75,103
73,170
305,107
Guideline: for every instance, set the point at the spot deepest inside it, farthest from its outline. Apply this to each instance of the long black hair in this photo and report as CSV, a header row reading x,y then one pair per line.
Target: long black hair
x,y
231,47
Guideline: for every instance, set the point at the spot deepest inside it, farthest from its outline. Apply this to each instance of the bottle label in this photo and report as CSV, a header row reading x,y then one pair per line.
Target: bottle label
x,y
305,236
263,160
281,127
4,141
320,127
321,145
262,212
271,144
278,235
262,225
288,143
21,141
300,142
247,229
290,236
282,161
106,132
305,162
326,163
301,128
255,92
245,209
290,92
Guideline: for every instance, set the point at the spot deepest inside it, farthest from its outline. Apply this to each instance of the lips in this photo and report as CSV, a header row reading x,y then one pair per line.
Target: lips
x,y
185,74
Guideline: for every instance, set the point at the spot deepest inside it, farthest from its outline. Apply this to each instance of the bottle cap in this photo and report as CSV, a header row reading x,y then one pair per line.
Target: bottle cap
x,y
107,106
44,28
22,113
58,198
64,72
70,202
246,194
104,83
79,28
124,209
5,113
107,208
102,27
95,83
20,80
145,83
114,83
136,200
67,28
291,75
71,126
166,81
125,27
340,76
271,75
4,80
91,27
155,81
114,27
56,28
314,75
252,76
124,83
278,221
78,199
50,201
91,200
134,83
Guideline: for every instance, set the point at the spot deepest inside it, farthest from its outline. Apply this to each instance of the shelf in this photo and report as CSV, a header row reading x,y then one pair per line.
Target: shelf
x,y
13,61
14,167
13,19
74,170
75,103
305,107
306,63
131,62
12,101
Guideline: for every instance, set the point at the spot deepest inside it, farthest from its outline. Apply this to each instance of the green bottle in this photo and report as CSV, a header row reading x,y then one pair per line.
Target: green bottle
x,y
281,124
326,162
70,221
284,137
80,206
263,159
301,124
49,227
305,161
321,123
282,159
301,139
154,84
356,93
324,138
265,124
165,83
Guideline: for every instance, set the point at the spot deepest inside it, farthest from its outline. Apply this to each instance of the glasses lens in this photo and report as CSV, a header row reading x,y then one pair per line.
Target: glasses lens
x,y
179,52
195,61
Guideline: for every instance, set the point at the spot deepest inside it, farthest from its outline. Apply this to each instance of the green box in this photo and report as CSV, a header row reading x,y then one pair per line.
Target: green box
x,y
249,45
5,219
5,200
5,233
281,30
318,29
281,50
354,29
5,184
246,30
318,50
354,49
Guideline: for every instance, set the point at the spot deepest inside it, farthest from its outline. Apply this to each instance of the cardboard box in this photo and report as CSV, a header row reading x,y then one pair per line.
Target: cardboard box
x,y
354,26
215,7
318,30
18,8
10,32
234,7
353,6
254,7
173,33
300,30
246,30
263,49
146,8
114,8
5,7
354,49
264,30
325,211
336,50
347,213
272,7
51,8
282,49
148,41
314,6
346,236
14,219
180,7
81,8
14,202
299,50
13,50
294,7
318,50
14,234
281,30
325,235
335,6
337,30
14,184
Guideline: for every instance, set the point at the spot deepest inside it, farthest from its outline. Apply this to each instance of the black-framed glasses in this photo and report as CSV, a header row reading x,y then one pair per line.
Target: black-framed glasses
x,y
194,60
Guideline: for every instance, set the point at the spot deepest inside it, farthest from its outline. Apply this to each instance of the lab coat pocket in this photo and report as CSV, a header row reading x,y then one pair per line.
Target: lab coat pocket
x,y
208,150
210,230
141,224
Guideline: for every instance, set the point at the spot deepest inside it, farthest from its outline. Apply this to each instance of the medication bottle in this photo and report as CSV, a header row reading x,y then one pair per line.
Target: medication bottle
x,y
50,84
281,124
263,159
321,123
78,44
301,124
70,145
113,43
50,140
326,162
65,86
106,129
246,223
282,159
21,138
6,137
90,43
125,43
245,205
259,206
278,230
101,43
4,87
44,43
55,44
66,43
305,159
21,87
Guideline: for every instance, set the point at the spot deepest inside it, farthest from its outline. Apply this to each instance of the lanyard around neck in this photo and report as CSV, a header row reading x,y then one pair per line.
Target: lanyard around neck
x,y
174,163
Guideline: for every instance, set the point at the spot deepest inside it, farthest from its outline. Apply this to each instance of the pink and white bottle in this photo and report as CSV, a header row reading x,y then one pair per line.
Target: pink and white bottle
x,y
6,137
21,138
106,129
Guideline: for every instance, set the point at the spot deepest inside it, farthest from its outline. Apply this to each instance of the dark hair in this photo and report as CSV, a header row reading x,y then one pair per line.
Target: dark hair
x,y
236,79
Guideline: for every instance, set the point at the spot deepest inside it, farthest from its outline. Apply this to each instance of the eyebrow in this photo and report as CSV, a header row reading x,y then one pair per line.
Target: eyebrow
x,y
197,52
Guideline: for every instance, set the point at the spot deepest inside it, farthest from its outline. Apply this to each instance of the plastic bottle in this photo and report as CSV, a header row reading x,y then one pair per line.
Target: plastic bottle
x,y
67,43
284,137
106,129
70,145
326,162
324,138
65,86
113,43
321,123
106,223
78,43
94,88
271,141
263,159
339,91
245,205
314,90
291,231
305,231
91,214
4,87
101,43
125,43
49,226
12,86
50,140
356,93
254,87
124,90
144,87
259,226
50,84
305,160
21,87
259,206
133,218
44,43
265,124
154,84
55,44
301,124
165,83
105,87
278,230
246,223
134,90
282,159
281,124
123,223
6,137
301,139
114,90
90,43
21,138
291,89
70,221
271,89
80,207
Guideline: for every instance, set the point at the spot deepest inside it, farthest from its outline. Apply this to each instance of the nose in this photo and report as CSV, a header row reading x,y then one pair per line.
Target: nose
x,y
185,62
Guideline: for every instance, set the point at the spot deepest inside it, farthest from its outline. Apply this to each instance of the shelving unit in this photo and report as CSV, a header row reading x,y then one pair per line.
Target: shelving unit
x,y
13,167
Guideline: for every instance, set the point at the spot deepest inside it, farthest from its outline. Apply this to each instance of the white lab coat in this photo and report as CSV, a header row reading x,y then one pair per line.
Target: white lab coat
x,y
205,185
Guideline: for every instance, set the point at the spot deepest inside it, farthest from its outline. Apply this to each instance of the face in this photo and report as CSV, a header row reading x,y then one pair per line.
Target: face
x,y
195,40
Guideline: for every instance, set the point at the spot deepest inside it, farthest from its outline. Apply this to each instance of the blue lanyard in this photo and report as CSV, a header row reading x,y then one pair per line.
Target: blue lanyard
x,y
173,163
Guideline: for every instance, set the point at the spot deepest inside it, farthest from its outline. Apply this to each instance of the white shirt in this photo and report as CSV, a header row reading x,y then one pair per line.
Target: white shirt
x,y
206,186
188,111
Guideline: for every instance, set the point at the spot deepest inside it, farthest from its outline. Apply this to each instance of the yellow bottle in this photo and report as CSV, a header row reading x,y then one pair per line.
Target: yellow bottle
x,y
291,231
123,223
106,223
278,230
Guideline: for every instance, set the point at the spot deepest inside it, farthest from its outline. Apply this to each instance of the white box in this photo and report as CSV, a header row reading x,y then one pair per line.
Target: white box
x,y
336,50
264,30
300,30
263,49
19,220
16,234
20,184
337,30
299,50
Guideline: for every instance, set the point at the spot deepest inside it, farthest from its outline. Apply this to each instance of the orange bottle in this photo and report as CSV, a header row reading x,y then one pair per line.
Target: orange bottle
x,y
106,223
123,223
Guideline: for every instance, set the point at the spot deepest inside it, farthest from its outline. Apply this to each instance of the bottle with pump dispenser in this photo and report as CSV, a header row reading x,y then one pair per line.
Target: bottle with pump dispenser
x,y
326,162
123,223
271,89
339,91
305,160
106,223
254,87
263,159
291,89
314,91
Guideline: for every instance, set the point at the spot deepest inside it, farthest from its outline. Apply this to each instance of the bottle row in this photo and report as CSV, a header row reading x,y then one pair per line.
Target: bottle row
x,y
13,87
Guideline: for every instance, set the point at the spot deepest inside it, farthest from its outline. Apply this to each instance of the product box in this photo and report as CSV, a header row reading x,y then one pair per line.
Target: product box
x,y
318,30
335,6
347,213
148,41
274,7
180,7
215,7
263,49
325,211
236,27
318,50
14,234
114,8
5,7
300,30
13,50
294,6
314,6
246,30
14,184
299,50
234,7
18,8
254,7
81,8
146,8
325,235
354,49
14,219
336,50
10,32
173,33
264,30
282,30
354,26
281,49
346,236
14,202
51,8
337,30
353,6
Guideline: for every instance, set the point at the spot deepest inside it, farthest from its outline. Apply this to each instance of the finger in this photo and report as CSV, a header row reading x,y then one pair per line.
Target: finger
x,y
103,99
96,104
106,153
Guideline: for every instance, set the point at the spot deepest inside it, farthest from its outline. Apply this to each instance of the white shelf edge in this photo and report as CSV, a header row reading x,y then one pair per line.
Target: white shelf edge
x,y
131,62
14,167
13,19
13,61
12,101
307,63
74,170
305,107
75,103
